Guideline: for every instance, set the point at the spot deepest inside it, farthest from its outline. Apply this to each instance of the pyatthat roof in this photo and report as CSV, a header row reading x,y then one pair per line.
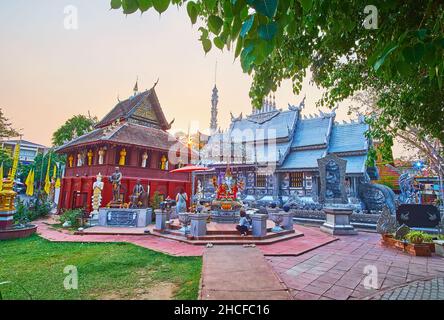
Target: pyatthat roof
x,y
143,107
277,125
125,134
310,132
349,137
303,159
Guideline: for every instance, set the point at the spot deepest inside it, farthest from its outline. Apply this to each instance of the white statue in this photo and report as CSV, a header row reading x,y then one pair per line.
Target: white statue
x,y
144,159
101,156
97,194
199,194
79,159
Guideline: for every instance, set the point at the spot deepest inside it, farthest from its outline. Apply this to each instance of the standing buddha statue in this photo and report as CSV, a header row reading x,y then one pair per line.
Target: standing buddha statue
x,y
122,157
90,157
71,160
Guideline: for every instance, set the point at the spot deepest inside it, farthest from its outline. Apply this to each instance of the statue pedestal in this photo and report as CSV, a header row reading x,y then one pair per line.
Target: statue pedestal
x,y
338,221
137,218
259,225
161,218
287,222
199,224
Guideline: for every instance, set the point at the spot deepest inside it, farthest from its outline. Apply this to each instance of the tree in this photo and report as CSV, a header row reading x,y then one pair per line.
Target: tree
x,y
6,160
413,138
6,130
395,47
73,127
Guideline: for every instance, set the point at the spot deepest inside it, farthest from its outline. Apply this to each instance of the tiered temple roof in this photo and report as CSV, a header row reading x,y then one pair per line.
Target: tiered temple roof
x,y
137,121
300,141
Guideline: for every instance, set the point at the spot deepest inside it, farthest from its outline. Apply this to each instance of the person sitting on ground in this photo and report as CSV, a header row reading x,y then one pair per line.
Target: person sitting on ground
x,y
243,225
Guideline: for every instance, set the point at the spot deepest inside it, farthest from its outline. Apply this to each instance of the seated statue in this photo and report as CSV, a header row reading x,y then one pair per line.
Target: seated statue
x,y
136,197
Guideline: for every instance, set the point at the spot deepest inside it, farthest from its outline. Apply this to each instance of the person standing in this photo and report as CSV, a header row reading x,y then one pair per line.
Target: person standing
x,y
181,201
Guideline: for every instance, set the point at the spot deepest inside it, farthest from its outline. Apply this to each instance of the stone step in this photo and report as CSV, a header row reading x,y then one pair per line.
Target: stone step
x,y
275,237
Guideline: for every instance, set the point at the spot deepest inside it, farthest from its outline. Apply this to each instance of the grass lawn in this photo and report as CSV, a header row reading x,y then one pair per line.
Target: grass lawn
x,y
105,271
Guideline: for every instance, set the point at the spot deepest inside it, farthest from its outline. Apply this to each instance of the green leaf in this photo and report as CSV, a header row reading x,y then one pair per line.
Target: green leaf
x,y
246,26
239,46
206,44
130,6
144,5
247,58
306,4
386,53
215,24
413,54
161,5
218,43
210,4
265,7
267,31
421,33
192,11
235,29
116,4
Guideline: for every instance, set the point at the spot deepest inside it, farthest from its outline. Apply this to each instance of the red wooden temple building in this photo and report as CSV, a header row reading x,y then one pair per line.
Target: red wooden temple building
x,y
132,136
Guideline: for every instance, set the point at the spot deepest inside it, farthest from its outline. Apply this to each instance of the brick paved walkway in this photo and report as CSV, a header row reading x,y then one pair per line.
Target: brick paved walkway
x,y
239,273
418,290
336,270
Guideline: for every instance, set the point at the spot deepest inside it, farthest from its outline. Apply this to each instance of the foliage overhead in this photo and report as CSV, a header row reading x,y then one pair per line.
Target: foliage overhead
x,y
73,127
276,40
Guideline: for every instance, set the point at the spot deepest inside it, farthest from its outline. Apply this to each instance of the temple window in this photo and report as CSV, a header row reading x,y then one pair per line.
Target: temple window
x,y
296,179
261,181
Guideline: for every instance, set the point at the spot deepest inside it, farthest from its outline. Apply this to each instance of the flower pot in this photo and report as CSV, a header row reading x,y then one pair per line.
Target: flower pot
x,y
421,250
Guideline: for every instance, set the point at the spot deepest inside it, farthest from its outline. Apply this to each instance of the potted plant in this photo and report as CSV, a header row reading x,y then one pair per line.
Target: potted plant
x,y
418,243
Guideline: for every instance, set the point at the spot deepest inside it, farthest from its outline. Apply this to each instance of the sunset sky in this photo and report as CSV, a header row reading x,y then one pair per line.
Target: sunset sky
x,y
49,73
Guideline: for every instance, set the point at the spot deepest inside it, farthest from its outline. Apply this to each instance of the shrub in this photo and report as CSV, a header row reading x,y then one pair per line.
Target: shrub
x,y
33,210
156,199
72,217
418,237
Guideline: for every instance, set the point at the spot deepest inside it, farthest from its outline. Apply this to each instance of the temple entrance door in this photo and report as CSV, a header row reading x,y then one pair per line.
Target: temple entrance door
x,y
79,200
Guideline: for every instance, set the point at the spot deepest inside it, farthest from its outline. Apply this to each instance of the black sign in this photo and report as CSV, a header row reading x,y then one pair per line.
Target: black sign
x,y
121,218
418,215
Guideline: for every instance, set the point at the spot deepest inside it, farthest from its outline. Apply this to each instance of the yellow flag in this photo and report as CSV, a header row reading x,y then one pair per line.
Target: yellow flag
x,y
58,183
54,174
27,181
1,177
31,184
15,161
47,188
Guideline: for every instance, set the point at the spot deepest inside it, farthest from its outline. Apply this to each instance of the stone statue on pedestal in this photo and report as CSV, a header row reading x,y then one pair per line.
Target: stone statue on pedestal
x,y
116,179
138,191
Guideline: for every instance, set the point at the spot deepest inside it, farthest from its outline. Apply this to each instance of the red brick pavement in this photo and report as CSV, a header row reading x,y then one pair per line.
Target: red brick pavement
x,y
336,270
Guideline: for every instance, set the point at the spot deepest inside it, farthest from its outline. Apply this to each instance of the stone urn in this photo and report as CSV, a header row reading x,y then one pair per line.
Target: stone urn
x,y
277,218
185,220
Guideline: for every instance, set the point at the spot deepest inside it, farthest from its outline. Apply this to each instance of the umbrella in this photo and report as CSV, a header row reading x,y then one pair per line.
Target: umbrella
x,y
189,168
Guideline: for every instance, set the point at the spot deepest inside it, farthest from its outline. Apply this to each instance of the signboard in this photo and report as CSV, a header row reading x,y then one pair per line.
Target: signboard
x,y
418,215
121,218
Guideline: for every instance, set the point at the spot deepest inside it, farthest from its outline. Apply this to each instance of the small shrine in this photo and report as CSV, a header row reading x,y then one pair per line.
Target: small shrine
x,y
226,206
129,147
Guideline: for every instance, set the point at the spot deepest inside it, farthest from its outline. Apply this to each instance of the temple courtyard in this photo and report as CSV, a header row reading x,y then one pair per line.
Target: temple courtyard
x,y
310,267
